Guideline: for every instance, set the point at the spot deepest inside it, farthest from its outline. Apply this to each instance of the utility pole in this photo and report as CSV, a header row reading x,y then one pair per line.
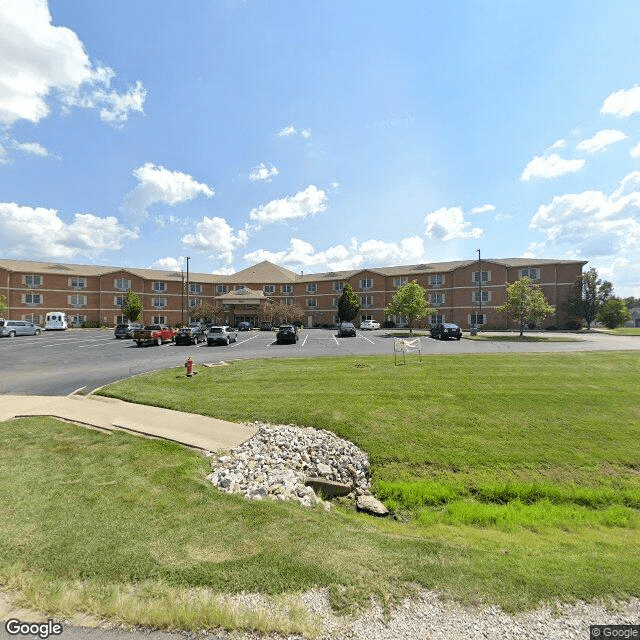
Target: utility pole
x,y
182,300
188,306
479,288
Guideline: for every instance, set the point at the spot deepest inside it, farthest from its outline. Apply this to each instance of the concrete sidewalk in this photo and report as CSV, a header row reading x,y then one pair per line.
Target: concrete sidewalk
x,y
193,430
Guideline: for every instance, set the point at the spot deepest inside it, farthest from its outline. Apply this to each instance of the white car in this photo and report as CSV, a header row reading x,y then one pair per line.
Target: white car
x,y
369,325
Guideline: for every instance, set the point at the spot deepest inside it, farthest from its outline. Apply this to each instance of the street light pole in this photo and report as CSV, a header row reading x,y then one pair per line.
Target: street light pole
x,y
479,288
188,306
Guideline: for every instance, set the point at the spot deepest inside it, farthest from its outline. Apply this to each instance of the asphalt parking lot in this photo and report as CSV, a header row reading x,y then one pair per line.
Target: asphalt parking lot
x,y
59,363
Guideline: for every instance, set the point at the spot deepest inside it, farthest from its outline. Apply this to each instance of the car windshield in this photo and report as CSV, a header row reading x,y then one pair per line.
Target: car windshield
x,y
1,323
151,327
215,330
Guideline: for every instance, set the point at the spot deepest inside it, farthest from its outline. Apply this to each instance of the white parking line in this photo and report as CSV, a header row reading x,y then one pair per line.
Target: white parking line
x,y
367,339
335,339
236,343
305,339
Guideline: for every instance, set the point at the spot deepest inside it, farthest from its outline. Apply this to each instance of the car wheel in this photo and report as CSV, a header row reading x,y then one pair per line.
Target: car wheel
x,y
138,343
227,341
159,341
37,333
12,334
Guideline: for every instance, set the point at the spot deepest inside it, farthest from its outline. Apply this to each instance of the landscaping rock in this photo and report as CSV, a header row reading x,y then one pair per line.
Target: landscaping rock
x,y
328,487
370,505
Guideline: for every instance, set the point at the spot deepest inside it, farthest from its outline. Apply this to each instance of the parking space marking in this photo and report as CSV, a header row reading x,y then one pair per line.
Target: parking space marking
x,y
336,339
364,338
306,335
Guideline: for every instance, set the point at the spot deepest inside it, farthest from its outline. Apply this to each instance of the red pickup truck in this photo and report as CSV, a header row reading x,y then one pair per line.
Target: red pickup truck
x,y
154,334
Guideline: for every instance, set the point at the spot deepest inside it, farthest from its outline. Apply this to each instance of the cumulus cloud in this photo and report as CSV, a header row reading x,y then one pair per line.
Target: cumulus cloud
x,y
290,131
301,205
157,185
593,224
33,148
485,208
263,173
215,235
169,264
622,103
38,232
301,255
635,151
448,223
601,140
41,62
550,166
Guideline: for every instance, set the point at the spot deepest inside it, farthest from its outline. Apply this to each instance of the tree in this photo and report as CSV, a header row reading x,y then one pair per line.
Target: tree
x,y
131,307
525,303
588,295
632,302
3,304
410,302
613,312
208,311
348,304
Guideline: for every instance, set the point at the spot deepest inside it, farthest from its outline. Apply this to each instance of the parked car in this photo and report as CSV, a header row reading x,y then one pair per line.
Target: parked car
x,y
287,333
126,329
221,335
190,335
244,326
445,330
153,334
369,325
266,326
13,328
346,329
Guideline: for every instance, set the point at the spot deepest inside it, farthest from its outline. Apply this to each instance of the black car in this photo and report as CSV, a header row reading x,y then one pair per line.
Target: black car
x,y
445,330
190,335
287,333
346,329
266,326
126,329
244,326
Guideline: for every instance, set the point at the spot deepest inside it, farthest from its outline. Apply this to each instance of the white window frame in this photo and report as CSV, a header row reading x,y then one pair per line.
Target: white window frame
x,y
239,287
336,301
121,284
78,283
269,289
30,298
159,287
33,281
527,273
222,288
77,321
436,318
194,302
312,303
287,288
120,319
338,286
366,283
436,299
195,287
366,301
288,302
312,287
159,320
77,300
486,276
436,279
159,303
118,301
486,296
475,316
398,282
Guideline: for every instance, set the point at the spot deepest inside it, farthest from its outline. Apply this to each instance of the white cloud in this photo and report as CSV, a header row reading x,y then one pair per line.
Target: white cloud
x,y
593,224
601,140
302,255
550,166
41,61
448,223
38,232
169,264
216,236
301,205
635,151
263,173
159,185
290,131
558,144
622,103
33,148
482,209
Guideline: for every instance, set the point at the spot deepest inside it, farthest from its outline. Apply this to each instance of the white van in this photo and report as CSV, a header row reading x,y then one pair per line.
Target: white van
x,y
55,321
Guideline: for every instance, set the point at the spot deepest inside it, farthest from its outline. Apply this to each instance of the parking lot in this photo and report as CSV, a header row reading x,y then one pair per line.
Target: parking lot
x,y
59,363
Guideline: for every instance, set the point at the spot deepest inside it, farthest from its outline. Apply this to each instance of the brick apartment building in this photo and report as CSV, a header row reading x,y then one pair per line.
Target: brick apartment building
x,y
95,293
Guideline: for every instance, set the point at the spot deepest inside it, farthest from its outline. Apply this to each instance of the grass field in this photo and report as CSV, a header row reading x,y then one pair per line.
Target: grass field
x,y
512,479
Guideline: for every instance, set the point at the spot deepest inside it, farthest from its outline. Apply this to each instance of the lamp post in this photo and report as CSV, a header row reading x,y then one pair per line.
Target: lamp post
x,y
479,288
188,306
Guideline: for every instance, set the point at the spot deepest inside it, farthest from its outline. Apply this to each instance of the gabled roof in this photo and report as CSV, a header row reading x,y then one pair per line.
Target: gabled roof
x,y
241,296
263,272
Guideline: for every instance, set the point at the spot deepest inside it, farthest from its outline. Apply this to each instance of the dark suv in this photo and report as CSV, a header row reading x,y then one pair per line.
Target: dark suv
x,y
266,326
445,330
244,326
191,335
126,329
346,329
287,333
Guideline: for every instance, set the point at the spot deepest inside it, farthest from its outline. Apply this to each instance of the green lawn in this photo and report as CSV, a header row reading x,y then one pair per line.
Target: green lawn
x,y
512,479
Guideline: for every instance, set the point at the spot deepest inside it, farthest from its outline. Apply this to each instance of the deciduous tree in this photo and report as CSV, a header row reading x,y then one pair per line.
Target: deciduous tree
x,y
410,302
613,312
132,306
348,304
3,304
588,295
525,303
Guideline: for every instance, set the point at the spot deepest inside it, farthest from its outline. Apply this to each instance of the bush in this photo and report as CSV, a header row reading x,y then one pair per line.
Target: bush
x,y
90,324
573,325
551,328
388,324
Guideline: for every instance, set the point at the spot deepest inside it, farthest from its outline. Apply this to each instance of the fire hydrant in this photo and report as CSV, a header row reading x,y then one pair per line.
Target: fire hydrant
x,y
189,365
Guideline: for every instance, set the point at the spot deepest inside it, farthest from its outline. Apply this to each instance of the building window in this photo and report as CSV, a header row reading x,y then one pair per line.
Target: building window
x,y
534,274
476,318
365,316
486,276
31,317
366,301
32,298
436,280
287,288
338,286
312,303
195,287
159,303
269,288
312,287
33,281
436,299
118,301
159,320
486,296
240,287
78,283
120,320
398,282
159,287
77,321
366,283
436,318
121,284
222,288
288,302
77,301
336,300
194,302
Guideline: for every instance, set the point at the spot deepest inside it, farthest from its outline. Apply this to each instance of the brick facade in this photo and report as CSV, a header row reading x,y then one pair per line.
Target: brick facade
x,y
92,293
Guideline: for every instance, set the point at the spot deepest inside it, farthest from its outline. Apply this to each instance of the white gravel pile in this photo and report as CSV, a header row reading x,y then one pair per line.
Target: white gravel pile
x,y
275,463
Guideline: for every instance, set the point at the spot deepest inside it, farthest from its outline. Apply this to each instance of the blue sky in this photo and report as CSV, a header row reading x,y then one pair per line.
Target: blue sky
x,y
320,135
